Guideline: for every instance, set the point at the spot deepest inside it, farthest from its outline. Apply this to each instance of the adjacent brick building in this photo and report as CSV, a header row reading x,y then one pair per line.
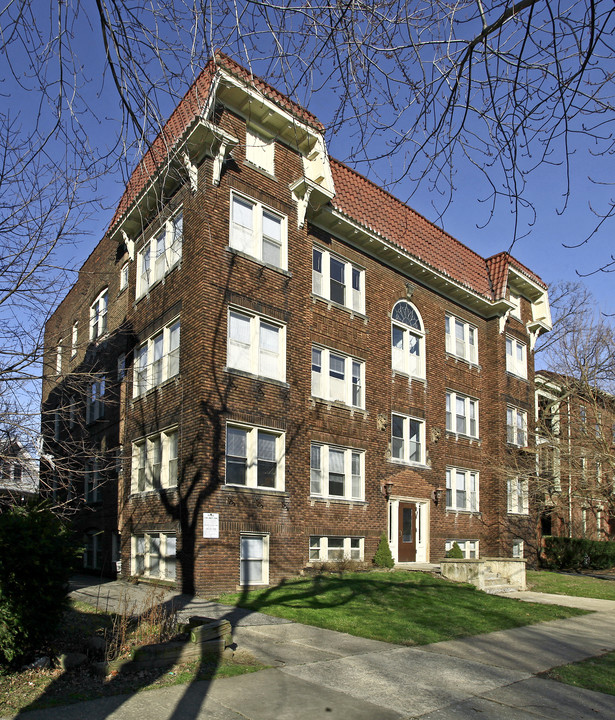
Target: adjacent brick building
x,y
275,361
575,444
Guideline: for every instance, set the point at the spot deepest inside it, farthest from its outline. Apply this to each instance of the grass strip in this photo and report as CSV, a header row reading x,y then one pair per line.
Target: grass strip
x,y
596,673
570,584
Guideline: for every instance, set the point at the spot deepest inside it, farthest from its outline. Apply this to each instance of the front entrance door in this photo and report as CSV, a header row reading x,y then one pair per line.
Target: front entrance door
x,y
406,541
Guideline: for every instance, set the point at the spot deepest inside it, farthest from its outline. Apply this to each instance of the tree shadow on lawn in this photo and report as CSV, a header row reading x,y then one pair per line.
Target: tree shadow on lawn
x,y
393,607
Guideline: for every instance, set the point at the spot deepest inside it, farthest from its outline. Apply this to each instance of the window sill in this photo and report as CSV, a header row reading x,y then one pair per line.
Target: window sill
x,y
339,404
255,490
257,261
510,373
460,436
328,501
152,492
454,511
465,361
156,388
259,378
518,514
331,304
260,170
410,377
410,463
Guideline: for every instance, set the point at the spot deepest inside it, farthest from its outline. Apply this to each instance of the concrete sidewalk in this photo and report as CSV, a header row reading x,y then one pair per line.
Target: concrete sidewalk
x,y
323,674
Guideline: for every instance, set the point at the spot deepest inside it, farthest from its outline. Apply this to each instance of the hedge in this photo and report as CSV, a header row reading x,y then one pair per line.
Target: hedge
x,y
563,553
37,556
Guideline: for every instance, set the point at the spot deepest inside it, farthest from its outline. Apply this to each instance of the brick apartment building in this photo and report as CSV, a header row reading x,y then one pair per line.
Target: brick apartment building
x,y
575,441
268,361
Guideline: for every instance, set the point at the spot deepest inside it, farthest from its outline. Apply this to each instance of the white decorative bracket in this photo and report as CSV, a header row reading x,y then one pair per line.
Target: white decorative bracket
x,y
302,206
130,245
302,191
193,174
533,337
219,162
502,321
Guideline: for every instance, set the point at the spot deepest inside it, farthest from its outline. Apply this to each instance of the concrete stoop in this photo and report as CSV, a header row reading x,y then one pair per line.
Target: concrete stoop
x,y
495,584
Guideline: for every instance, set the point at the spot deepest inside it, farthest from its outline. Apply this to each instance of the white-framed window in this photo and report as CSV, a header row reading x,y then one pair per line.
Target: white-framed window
x,y
337,377
95,405
124,276
407,340
92,481
461,489
516,426
516,308
335,549
98,315
338,280
157,359
59,358
160,254
253,559
461,414
517,548
516,357
256,345
461,339
74,339
93,550
154,462
154,555
258,231
517,496
260,151
337,472
254,457
469,548
407,439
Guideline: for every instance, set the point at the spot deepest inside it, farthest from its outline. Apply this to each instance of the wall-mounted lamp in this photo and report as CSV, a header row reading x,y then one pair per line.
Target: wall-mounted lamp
x,y
435,495
386,489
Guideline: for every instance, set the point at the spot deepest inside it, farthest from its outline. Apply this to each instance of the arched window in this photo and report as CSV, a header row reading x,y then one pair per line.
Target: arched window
x,y
407,340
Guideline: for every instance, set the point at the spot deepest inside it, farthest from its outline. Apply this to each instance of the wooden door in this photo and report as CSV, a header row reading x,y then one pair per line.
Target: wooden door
x,y
406,540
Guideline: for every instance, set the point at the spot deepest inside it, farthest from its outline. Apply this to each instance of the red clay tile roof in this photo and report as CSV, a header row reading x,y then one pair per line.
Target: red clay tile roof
x,y
376,209
498,270
356,196
190,105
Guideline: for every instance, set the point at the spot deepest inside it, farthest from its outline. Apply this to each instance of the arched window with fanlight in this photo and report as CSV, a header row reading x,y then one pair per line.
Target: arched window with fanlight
x,y
407,340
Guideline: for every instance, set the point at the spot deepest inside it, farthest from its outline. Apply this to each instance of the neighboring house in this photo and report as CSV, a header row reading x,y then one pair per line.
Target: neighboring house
x,y
272,360
575,441
18,473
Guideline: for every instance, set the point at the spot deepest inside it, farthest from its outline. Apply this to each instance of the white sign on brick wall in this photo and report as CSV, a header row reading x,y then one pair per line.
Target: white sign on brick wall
x,y
211,525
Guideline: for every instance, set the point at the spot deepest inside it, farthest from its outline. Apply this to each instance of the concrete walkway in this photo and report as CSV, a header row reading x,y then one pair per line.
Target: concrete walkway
x,y
323,674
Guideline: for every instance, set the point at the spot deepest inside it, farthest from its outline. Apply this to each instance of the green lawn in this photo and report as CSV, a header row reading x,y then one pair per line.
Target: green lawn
x,y
565,584
593,674
409,608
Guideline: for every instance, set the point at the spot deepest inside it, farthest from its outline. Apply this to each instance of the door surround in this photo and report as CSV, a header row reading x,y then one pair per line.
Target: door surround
x,y
421,526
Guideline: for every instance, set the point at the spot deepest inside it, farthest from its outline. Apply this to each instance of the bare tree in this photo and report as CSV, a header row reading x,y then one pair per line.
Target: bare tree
x,y
419,90
422,92
559,477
